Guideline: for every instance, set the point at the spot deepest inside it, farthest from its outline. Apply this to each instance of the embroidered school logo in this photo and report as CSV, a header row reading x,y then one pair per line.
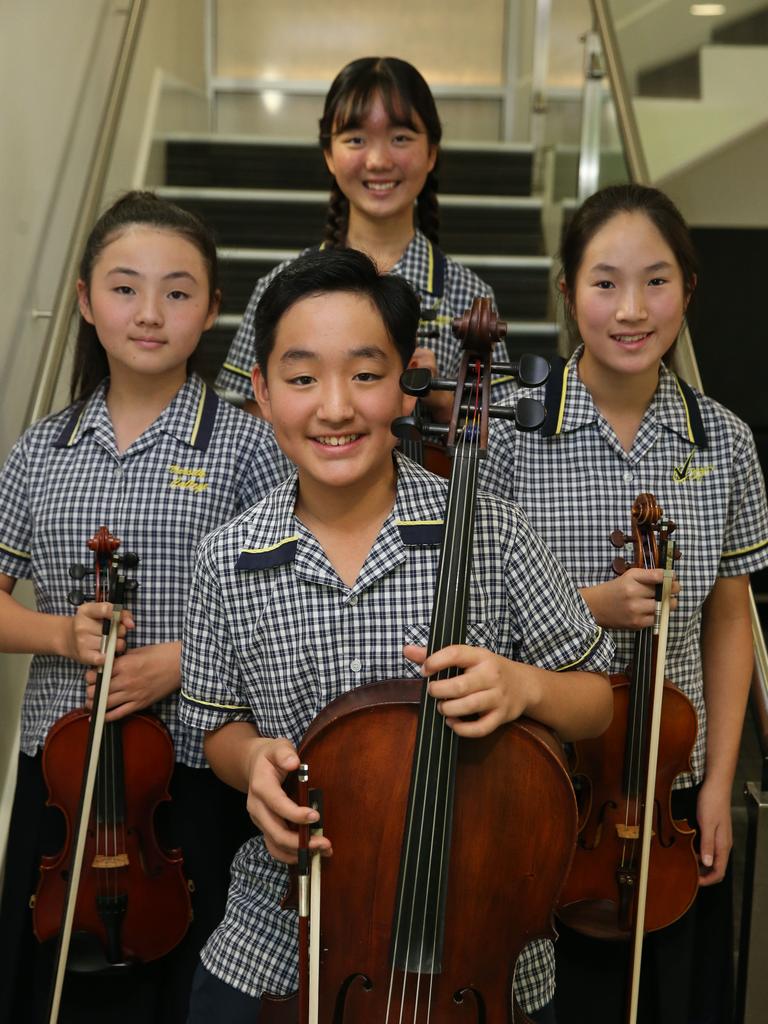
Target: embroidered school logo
x,y
189,479
688,472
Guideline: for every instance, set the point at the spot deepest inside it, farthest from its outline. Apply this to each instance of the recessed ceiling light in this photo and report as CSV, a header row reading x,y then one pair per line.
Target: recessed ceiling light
x,y
707,10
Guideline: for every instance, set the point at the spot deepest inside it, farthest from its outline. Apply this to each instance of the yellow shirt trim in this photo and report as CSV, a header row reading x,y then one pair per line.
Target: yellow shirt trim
x,y
272,547
199,416
585,655
235,369
212,704
744,551
561,411
15,551
691,438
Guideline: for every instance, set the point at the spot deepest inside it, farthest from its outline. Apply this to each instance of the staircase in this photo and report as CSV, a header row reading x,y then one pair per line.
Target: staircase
x,y
266,200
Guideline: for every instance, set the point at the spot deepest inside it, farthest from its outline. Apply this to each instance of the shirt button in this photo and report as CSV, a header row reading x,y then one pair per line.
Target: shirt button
x,y
353,600
628,477
355,664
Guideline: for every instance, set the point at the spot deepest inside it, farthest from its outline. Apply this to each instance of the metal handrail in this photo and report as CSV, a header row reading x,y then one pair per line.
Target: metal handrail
x,y
684,357
65,301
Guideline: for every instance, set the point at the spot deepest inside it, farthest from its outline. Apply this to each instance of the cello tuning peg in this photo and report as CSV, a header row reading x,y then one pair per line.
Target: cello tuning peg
x,y
77,571
131,585
529,414
407,428
130,560
619,565
76,598
532,370
619,539
416,381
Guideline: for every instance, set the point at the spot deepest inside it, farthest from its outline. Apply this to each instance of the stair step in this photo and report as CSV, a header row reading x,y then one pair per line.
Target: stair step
x,y
540,337
751,30
287,220
251,163
521,283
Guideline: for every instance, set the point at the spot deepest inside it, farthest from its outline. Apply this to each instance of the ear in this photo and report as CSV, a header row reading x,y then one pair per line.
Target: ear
x,y
327,156
260,393
432,157
83,301
213,310
689,296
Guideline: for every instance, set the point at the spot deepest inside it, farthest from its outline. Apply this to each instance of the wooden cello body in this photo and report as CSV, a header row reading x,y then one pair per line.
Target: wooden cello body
x,y
448,853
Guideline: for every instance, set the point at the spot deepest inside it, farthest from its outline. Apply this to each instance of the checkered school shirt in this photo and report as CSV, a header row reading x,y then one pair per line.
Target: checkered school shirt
x,y
272,635
418,265
577,485
197,465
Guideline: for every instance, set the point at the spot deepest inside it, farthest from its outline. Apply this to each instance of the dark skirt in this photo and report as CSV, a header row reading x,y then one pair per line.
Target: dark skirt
x,y
206,818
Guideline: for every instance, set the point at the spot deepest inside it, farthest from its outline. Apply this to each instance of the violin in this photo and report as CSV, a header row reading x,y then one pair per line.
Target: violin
x,y
626,779
443,868
111,894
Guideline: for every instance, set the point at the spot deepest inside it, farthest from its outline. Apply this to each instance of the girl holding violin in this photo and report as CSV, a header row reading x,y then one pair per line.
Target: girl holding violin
x,y
380,135
620,422
148,449
327,584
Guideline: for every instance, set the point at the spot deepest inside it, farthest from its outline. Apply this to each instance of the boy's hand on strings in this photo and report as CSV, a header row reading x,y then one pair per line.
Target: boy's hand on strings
x,y
629,601
713,812
270,807
492,689
140,678
84,631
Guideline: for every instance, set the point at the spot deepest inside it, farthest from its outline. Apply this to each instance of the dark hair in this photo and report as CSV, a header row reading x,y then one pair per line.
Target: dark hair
x,y
324,271
605,204
90,365
403,91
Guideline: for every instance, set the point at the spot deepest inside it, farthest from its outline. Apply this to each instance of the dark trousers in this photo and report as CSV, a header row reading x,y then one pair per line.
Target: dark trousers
x,y
687,968
205,818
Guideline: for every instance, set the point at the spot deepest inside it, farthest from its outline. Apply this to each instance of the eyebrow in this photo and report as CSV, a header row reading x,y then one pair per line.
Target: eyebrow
x,y
364,352
174,275
610,269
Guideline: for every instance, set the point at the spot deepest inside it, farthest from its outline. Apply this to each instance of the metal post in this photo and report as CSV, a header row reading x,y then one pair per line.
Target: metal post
x,y
591,116
539,76
752,981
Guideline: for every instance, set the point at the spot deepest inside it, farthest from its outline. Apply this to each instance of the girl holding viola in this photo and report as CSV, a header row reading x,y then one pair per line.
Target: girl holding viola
x,y
620,422
147,449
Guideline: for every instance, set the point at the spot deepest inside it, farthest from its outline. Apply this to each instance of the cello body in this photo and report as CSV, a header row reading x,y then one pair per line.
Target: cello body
x,y
513,806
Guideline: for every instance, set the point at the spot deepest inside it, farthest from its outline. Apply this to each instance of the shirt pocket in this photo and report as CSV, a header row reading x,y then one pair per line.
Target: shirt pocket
x,y
479,634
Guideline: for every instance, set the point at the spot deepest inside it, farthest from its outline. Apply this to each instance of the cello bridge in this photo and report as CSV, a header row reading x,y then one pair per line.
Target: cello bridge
x,y
101,861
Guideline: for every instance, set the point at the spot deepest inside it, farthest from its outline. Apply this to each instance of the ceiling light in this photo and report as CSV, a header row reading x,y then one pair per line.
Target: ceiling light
x,y
707,10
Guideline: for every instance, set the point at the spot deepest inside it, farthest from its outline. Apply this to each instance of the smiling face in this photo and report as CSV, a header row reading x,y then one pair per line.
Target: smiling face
x,y
148,299
629,298
331,392
381,165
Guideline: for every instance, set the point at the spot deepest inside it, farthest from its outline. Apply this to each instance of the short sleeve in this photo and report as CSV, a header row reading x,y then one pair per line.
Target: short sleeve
x,y
15,514
745,539
235,373
210,676
557,629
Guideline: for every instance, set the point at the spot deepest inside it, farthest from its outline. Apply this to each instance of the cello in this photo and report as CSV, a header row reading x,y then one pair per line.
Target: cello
x,y
635,869
111,893
444,871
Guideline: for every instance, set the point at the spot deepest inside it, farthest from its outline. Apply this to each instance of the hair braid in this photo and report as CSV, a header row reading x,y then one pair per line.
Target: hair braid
x,y
335,231
428,209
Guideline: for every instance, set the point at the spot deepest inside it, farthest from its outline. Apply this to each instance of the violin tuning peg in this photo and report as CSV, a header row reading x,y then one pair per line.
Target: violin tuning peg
x,y
619,539
619,565
76,598
416,381
677,555
77,571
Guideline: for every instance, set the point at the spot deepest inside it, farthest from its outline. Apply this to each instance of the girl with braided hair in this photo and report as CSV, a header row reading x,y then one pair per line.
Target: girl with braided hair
x,y
380,134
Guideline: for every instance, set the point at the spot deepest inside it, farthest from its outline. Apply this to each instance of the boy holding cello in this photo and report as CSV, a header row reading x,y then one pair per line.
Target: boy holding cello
x,y
327,584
